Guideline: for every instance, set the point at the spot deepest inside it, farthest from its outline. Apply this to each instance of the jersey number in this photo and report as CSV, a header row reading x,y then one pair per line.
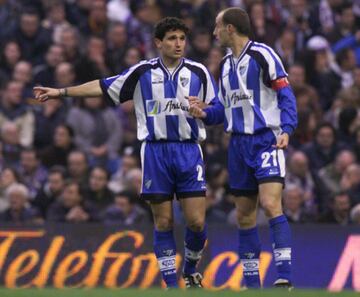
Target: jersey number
x,y
265,156
200,173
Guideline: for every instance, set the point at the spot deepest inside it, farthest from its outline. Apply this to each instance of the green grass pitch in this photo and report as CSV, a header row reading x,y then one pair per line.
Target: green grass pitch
x,y
161,293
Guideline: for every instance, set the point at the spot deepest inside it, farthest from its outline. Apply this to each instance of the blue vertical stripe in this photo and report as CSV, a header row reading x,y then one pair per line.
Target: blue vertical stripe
x,y
233,79
253,83
194,90
146,92
238,119
172,122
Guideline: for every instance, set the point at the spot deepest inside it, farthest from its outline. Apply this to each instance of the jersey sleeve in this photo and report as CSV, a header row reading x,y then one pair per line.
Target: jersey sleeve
x,y
210,88
273,70
120,88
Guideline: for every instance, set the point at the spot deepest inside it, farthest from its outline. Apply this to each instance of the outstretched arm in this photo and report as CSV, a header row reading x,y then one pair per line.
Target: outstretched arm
x,y
212,114
89,89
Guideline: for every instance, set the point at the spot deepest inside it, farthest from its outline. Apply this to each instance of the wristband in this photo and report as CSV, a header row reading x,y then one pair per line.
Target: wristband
x,y
63,92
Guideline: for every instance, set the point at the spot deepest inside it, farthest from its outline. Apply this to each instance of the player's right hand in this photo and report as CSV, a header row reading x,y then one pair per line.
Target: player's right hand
x,y
197,112
42,93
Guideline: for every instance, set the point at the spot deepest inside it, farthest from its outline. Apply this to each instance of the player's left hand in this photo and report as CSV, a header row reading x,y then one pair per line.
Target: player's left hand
x,y
195,101
282,141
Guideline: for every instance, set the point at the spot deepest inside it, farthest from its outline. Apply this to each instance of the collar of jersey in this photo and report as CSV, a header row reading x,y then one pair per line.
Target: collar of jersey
x,y
166,70
242,54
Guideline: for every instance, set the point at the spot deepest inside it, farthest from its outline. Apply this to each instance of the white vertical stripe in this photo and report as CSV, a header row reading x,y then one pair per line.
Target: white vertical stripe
x,y
274,54
142,131
269,59
281,161
247,105
226,86
158,92
142,159
269,106
183,89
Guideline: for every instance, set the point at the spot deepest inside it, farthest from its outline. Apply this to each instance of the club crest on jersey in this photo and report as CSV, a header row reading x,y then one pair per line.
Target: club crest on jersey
x,y
184,81
242,70
153,107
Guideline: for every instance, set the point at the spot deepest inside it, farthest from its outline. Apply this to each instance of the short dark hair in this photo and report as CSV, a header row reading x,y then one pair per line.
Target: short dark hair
x,y
169,24
239,19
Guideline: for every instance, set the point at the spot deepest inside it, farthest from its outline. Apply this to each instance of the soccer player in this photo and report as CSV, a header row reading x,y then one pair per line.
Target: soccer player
x,y
259,110
171,157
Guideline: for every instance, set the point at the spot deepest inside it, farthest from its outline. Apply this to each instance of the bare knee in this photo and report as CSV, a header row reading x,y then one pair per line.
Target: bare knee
x,y
163,223
196,224
246,219
272,207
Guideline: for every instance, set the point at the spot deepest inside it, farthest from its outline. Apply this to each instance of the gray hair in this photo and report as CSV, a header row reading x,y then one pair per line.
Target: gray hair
x,y
17,188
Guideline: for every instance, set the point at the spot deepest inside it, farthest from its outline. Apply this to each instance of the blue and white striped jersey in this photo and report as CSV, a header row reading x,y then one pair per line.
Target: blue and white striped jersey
x,y
159,98
255,93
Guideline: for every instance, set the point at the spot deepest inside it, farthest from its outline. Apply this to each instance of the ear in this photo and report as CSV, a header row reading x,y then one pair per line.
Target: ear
x,y
230,28
158,43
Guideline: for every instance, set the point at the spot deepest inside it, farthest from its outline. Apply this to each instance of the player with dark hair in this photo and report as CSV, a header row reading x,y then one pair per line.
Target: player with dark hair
x,y
259,110
171,157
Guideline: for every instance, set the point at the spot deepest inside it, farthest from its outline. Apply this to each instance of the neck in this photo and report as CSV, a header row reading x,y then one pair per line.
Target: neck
x,y
170,63
238,45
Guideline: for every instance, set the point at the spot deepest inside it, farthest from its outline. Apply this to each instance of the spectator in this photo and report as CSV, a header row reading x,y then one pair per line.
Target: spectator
x,y
57,153
96,50
77,165
51,190
97,21
23,74
84,69
339,212
213,61
355,214
44,74
285,46
98,192
8,177
31,171
128,162
294,200
349,120
55,19
72,206
263,29
19,212
117,47
350,182
125,211
323,149
11,55
345,24
330,176
11,146
47,118
13,109
213,213
32,38
321,70
97,131
65,75
299,175
200,46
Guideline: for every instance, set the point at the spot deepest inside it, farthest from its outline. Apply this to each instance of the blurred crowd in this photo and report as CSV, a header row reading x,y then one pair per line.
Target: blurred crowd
x,y
78,160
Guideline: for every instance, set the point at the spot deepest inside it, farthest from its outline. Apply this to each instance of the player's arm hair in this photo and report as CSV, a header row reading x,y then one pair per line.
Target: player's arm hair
x,y
89,89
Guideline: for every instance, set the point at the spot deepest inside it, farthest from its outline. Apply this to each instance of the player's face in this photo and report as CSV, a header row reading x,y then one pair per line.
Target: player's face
x,y
173,44
220,31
